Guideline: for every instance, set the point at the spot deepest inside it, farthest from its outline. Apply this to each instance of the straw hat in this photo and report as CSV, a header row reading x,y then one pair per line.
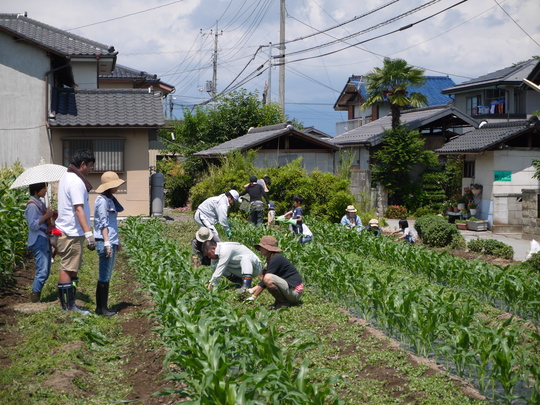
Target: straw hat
x,y
269,243
109,180
350,208
203,234
373,222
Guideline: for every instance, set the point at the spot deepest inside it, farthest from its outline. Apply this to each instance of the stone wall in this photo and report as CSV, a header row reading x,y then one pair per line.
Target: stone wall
x,y
531,222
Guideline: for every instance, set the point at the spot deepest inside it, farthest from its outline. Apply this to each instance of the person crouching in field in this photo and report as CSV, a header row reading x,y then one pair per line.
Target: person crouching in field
x,y
279,276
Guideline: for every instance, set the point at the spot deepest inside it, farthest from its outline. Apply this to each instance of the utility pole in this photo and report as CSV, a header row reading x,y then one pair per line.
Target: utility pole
x,y
269,94
282,55
211,86
214,74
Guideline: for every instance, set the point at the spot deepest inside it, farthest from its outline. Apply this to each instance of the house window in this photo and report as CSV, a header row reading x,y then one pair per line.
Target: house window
x,y
468,168
472,105
109,153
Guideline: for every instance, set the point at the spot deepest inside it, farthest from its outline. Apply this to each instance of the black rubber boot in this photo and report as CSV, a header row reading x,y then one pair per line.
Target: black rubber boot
x,y
237,281
102,297
63,294
35,296
246,282
66,293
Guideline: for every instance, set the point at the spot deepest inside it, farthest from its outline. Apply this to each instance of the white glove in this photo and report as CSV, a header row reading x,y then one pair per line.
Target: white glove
x,y
108,249
252,298
251,290
90,241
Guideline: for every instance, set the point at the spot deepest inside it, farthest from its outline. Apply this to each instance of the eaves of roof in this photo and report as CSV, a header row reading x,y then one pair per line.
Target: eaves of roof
x,y
124,73
372,134
508,76
487,137
106,108
258,136
53,39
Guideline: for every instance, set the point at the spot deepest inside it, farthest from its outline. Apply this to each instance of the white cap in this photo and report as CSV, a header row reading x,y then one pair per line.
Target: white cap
x,y
234,194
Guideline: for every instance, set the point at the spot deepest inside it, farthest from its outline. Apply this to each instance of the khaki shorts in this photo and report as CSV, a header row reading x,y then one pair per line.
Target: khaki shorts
x,y
70,249
284,291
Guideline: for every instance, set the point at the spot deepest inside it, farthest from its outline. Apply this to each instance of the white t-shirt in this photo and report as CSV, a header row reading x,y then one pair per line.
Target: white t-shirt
x,y
71,192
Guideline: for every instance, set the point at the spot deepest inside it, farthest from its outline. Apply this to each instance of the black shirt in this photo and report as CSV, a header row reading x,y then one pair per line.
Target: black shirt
x,y
256,192
283,268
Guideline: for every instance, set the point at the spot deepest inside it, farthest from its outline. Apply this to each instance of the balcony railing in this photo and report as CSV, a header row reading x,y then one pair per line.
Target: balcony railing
x,y
346,126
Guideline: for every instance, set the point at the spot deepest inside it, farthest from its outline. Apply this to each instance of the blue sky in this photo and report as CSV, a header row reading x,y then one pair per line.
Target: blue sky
x,y
175,40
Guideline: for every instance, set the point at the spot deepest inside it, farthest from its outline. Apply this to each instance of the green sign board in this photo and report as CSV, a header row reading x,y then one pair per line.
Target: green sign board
x,y
503,175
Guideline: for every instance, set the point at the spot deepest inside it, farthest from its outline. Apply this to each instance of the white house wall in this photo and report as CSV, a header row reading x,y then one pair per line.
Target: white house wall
x,y
500,201
23,134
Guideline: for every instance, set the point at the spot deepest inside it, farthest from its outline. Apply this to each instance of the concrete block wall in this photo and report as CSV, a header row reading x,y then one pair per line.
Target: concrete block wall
x,y
529,210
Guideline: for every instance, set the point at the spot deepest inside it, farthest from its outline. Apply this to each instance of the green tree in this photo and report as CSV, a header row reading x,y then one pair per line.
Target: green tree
x,y
205,127
399,153
389,85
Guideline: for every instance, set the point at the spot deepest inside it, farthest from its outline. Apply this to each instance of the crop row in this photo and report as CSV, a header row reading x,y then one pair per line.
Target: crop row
x,y
223,355
436,315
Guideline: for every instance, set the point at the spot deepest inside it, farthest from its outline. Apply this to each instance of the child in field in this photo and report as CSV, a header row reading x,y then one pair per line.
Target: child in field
x,y
407,233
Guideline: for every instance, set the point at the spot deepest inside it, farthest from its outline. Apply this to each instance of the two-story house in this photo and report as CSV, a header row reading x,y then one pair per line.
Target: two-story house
x,y
354,94
61,92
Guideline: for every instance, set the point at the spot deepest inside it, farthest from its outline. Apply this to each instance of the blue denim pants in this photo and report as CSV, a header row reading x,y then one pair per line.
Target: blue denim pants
x,y
106,264
42,255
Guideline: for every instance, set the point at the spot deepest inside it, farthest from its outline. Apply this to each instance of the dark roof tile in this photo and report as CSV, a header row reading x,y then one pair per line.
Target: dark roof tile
x,y
106,108
54,39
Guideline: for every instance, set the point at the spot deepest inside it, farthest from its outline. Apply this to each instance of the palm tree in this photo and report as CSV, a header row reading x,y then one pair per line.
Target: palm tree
x,y
389,84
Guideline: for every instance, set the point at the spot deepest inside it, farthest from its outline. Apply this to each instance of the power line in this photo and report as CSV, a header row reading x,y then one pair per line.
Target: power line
x,y
372,28
124,16
379,36
341,24
515,22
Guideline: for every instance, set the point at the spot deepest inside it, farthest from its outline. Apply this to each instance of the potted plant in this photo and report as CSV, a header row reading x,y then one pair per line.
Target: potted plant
x,y
476,189
475,224
472,208
461,224
467,192
462,202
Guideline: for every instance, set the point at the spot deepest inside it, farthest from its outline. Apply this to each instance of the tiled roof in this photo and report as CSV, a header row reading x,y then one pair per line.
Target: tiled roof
x,y
431,89
53,39
106,108
260,135
509,75
121,72
372,133
486,137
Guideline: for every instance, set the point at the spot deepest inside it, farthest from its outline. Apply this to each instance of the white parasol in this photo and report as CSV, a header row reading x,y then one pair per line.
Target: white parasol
x,y
45,173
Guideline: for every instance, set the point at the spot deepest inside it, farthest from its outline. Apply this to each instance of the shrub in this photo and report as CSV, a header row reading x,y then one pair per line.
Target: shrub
x,y
492,247
435,231
396,212
475,245
177,182
325,195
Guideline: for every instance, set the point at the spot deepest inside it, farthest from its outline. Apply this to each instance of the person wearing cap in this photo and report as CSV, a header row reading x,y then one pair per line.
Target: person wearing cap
x,y
279,276
74,223
373,227
264,182
232,260
201,236
256,194
106,209
214,210
350,219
